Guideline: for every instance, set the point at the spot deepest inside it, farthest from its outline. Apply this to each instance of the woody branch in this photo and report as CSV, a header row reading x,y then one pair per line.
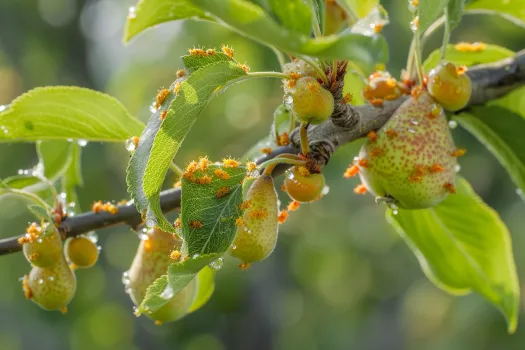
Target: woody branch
x,y
347,124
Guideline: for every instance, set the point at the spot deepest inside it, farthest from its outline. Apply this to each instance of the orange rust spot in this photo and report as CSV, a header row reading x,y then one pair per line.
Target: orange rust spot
x,y
283,215
177,223
391,133
221,192
470,47
96,207
420,170
161,96
211,52
245,266
245,205
163,115
191,167
239,222
416,22
436,168
360,189
435,112
450,187
290,84
372,136
376,152
459,152
148,245
221,174
414,3
203,163
197,52
258,213
205,180
348,97
63,310
351,171
135,140
177,184
415,178
230,163
177,87
180,73
303,170
228,51
295,75
175,255
244,67
110,208
28,293
363,163
283,140
417,91
378,28
196,224
251,166
266,150
283,188
376,102
293,205
461,69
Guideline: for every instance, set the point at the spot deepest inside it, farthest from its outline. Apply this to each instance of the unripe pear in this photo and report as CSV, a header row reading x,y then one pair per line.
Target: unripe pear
x,y
297,65
411,160
151,262
303,186
312,103
81,251
45,249
52,288
450,86
257,231
382,86
336,18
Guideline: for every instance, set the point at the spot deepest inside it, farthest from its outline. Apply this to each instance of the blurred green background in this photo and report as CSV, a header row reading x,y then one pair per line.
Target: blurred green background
x,y
340,277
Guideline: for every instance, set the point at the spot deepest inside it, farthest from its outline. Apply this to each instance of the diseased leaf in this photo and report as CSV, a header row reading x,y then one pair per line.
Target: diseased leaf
x,y
54,157
209,210
514,10
149,13
196,62
490,53
462,246
163,137
295,15
205,288
179,276
65,113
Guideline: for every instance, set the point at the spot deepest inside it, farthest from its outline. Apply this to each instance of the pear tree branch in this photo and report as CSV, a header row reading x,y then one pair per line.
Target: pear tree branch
x,y
347,124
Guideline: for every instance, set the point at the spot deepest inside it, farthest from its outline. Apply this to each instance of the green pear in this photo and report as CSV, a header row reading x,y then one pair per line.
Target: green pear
x,y
257,231
151,261
53,287
411,160
303,187
45,249
312,103
81,251
450,86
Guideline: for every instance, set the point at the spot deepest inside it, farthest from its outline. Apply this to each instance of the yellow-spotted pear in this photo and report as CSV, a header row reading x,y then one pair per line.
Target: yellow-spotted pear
x,y
303,186
312,103
42,246
151,261
257,228
53,287
450,86
81,251
411,160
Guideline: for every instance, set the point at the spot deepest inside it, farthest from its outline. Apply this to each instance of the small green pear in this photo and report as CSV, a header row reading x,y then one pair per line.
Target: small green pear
x,y
303,186
411,161
45,249
81,251
450,86
257,230
53,287
312,103
151,261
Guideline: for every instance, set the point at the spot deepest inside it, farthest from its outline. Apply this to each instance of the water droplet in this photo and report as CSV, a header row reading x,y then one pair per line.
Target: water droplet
x,y
167,293
132,12
20,172
152,108
414,121
51,278
82,143
395,212
69,140
125,278
195,256
150,222
92,236
40,281
520,193
288,101
99,248
452,124
143,236
130,144
3,107
325,190
411,130
217,264
4,129
414,24
457,168
413,5
39,240
234,246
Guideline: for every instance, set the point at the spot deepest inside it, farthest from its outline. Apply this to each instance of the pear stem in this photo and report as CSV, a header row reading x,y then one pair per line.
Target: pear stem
x,y
305,147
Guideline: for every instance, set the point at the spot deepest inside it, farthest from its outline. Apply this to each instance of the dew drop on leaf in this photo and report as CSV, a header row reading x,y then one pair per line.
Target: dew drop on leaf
x,y
452,124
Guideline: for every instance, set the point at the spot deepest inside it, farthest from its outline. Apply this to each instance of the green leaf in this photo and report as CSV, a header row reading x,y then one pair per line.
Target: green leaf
x,y
149,13
29,183
179,276
320,13
161,139
514,10
251,20
55,157
455,12
503,136
65,113
360,7
429,11
491,53
205,288
214,213
196,62
463,246
295,15
73,176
